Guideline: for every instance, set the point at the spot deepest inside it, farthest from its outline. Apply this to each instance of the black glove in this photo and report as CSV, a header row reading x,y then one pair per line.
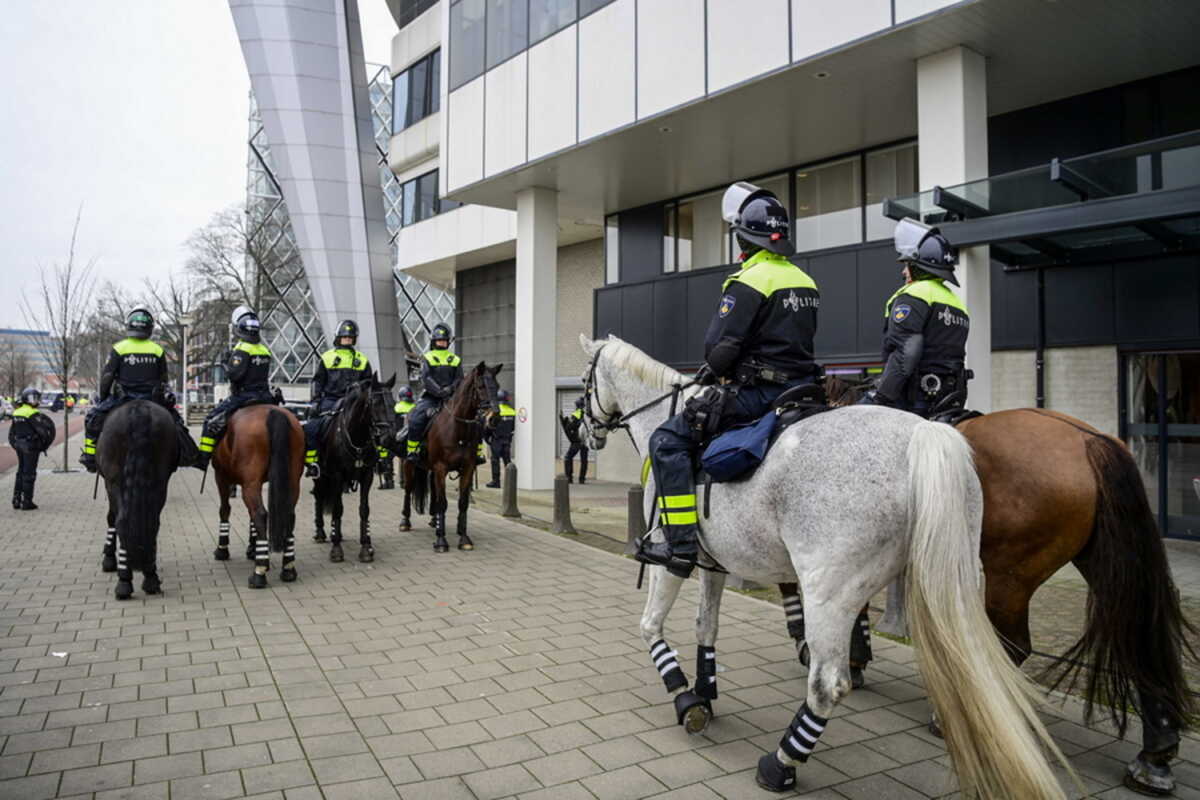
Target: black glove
x,y
705,375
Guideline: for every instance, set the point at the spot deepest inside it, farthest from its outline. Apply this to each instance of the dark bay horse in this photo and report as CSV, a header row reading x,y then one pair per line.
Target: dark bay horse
x,y
361,423
1055,491
451,445
136,455
264,444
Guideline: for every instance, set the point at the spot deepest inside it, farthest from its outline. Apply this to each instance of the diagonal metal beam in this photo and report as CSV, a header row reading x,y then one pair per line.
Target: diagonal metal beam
x,y
1077,182
955,204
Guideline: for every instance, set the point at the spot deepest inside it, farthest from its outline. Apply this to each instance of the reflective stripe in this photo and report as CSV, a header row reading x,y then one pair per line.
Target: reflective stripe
x,y
680,517
403,407
507,411
442,358
89,446
645,471
383,452
253,349
310,457
767,273
930,290
140,346
412,446
343,358
677,501
24,412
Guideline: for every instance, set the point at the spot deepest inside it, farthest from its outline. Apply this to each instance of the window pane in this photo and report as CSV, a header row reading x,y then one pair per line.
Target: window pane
x,y
709,235
686,210
435,81
410,203
588,6
426,195
612,256
400,102
418,90
828,209
411,9
548,16
669,238
466,41
507,29
890,173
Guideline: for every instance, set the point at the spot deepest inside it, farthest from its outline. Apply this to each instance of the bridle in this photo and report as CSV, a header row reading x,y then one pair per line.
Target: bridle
x,y
483,401
615,420
344,437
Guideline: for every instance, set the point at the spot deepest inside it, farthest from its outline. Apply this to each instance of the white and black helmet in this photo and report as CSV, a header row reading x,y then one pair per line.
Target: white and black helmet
x,y
926,248
246,325
139,324
31,397
758,218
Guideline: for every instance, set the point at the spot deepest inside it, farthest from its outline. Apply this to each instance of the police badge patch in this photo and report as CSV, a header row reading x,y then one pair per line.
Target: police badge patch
x,y
727,304
901,312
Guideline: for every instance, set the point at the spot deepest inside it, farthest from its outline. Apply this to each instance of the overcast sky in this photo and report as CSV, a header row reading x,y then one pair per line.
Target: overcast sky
x,y
135,109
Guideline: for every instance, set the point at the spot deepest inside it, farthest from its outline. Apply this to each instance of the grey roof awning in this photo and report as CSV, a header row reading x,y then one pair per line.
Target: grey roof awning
x,y
1131,202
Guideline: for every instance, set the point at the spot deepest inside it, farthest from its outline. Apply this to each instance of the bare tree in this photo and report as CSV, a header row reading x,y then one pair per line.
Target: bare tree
x,y
16,370
61,306
105,326
224,254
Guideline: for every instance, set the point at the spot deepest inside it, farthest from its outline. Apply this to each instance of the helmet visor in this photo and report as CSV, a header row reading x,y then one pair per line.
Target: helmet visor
x,y
735,197
908,237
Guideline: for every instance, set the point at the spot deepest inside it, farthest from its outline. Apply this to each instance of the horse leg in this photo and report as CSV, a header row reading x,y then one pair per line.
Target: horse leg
x,y
124,588
335,522
860,634
366,553
109,562
464,501
828,638
150,581
318,515
252,498
793,611
691,710
695,714
438,509
222,551
406,481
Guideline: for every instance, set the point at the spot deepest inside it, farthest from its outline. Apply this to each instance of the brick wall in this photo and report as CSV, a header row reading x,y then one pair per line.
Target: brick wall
x,y
1080,381
580,272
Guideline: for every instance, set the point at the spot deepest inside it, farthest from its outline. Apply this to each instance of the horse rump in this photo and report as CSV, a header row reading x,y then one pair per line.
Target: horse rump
x,y
1134,634
142,489
281,512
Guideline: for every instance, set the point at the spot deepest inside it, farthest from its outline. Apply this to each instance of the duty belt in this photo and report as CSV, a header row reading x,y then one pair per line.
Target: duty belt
x,y
750,374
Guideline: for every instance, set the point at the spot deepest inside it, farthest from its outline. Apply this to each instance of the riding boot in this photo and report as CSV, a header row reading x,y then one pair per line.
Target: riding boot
x,y
583,465
495,483
27,503
569,470
678,553
17,493
413,451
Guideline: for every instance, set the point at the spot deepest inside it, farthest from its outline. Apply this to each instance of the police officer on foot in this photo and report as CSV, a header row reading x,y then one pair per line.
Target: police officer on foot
x,y
759,344
341,367
31,433
500,438
577,445
404,406
925,328
440,376
248,366
137,368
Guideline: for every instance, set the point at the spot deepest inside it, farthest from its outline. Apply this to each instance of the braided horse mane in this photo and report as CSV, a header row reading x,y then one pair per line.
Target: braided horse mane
x,y
655,374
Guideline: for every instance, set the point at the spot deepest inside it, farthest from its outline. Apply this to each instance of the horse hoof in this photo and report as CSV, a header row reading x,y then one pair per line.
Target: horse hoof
x,y
858,678
124,590
465,543
319,536
441,545
804,658
366,555
692,711
773,776
1145,777
108,564
257,581
405,526
250,553
151,585
288,574
336,555
221,554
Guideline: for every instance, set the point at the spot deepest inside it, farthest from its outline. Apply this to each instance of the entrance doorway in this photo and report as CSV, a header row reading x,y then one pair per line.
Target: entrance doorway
x,y
1162,426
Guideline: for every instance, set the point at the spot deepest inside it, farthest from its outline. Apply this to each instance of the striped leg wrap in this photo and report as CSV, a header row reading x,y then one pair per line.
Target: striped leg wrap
x,y
793,608
802,734
860,640
262,553
668,667
706,672
223,536
289,550
110,541
123,571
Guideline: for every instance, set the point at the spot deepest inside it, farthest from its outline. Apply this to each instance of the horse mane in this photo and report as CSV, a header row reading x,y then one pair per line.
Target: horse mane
x,y
655,374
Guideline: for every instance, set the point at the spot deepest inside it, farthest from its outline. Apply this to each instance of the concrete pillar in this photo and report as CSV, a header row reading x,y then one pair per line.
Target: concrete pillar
x,y
953,147
536,325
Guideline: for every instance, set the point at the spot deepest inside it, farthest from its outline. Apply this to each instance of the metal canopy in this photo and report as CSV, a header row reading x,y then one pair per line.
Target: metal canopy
x,y
1132,202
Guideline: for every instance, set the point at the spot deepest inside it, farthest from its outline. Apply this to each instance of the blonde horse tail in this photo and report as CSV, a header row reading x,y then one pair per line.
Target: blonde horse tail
x,y
985,705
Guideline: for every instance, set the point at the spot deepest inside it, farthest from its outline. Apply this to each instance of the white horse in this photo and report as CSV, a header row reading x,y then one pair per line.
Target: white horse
x,y
844,502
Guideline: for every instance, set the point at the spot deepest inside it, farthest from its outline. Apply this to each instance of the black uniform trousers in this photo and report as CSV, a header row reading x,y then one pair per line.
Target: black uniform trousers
x,y
578,447
421,416
501,449
27,461
316,421
218,419
673,450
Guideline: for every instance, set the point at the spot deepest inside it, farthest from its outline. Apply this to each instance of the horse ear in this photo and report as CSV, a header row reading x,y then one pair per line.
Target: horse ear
x,y
391,382
496,370
587,344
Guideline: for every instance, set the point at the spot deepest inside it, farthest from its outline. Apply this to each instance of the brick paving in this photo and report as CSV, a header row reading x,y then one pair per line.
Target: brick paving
x,y
512,671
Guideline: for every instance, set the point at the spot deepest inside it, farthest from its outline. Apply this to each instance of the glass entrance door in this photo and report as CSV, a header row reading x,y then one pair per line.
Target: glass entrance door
x,y
1162,427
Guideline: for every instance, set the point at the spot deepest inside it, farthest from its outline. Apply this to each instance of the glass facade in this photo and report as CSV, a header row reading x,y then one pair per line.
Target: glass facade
x,y
507,29
891,172
411,9
466,41
416,92
549,16
828,210
588,6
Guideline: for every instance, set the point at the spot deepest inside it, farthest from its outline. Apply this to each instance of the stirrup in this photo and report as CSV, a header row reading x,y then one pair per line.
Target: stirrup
x,y
312,470
679,566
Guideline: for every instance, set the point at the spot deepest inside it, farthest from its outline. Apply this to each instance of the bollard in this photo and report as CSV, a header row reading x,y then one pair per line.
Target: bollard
x,y
508,500
637,519
562,506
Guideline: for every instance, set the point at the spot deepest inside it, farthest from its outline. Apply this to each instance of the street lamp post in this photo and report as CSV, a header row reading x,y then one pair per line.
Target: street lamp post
x,y
184,321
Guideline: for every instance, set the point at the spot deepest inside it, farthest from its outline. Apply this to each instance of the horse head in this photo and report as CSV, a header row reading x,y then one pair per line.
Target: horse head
x,y
382,404
476,397
601,407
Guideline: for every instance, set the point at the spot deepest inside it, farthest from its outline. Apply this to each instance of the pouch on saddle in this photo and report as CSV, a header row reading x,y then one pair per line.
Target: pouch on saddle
x,y
736,453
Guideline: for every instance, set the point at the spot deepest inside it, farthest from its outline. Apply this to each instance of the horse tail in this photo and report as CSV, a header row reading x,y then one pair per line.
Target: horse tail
x,y
420,488
985,704
281,513
1134,636
138,485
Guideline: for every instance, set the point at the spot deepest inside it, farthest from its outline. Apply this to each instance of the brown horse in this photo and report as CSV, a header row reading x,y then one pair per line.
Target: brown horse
x,y
1056,490
451,445
264,444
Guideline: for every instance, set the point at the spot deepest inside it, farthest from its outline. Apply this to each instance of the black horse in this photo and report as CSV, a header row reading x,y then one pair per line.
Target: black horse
x,y
136,454
361,423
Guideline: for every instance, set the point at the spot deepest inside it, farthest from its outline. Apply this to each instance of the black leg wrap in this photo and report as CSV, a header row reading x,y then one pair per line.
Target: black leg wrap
x,y
667,665
692,711
793,608
801,736
774,776
706,672
860,640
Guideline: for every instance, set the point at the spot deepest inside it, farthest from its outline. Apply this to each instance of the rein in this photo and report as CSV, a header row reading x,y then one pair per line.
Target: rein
x,y
344,437
611,421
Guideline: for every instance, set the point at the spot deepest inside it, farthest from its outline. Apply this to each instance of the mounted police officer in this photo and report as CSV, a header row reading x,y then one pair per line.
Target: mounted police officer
x,y
404,405
440,376
925,328
138,369
759,344
341,367
500,438
576,444
31,433
248,366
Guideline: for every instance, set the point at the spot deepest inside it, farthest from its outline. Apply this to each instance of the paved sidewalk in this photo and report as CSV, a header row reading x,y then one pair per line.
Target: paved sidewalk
x,y
512,671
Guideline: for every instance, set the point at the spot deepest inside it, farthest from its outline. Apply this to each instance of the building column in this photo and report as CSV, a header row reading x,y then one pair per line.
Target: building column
x,y
953,148
536,330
